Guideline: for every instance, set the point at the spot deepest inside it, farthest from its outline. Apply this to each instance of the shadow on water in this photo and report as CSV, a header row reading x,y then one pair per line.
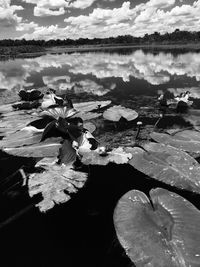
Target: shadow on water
x,y
79,232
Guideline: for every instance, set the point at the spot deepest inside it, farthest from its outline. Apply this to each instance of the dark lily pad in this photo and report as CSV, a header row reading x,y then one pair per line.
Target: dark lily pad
x,y
30,95
26,105
56,183
100,157
187,140
162,234
115,113
168,165
49,148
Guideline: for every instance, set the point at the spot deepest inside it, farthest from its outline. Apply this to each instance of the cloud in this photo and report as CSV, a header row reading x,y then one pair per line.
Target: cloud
x,y
45,8
43,12
8,16
91,72
91,87
154,15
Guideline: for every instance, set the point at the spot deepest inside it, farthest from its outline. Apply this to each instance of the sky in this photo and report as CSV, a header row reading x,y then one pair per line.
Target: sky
x,y
61,19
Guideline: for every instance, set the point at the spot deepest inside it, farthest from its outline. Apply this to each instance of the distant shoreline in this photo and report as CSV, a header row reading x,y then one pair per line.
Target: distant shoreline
x,y
31,51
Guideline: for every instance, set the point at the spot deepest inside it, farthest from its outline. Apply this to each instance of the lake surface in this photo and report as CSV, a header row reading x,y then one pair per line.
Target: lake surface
x,y
120,74
81,232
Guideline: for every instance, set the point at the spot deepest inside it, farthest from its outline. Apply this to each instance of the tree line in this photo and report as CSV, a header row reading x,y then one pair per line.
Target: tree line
x,y
175,37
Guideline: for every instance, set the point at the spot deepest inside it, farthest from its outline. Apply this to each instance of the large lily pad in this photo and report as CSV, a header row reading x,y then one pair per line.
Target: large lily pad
x,y
187,140
14,123
97,157
115,113
86,116
48,148
21,138
165,234
56,183
91,105
168,165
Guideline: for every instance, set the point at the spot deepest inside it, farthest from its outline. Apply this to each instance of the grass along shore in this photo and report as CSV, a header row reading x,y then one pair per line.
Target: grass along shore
x,y
34,50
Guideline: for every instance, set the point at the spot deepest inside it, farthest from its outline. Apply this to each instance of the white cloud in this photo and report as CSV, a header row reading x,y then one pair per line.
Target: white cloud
x,y
45,8
154,15
8,17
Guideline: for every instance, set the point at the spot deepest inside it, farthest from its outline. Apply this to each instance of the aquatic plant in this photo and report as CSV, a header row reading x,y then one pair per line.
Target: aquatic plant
x,y
56,182
162,230
115,113
168,165
30,95
102,156
187,140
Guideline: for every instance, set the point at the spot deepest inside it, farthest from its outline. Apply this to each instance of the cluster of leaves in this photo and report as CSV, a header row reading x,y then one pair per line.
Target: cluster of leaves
x,y
163,230
62,131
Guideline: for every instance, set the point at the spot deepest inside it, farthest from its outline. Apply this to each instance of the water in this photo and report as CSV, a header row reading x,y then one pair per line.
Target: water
x,y
81,232
118,74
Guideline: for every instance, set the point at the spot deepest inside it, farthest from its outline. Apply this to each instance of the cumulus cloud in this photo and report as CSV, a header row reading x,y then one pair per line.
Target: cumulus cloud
x,y
154,15
8,16
45,8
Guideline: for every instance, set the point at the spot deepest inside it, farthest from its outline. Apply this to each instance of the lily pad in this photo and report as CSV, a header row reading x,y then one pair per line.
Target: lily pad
x,y
162,234
21,138
30,95
91,105
86,116
99,157
115,113
56,183
49,148
187,140
168,165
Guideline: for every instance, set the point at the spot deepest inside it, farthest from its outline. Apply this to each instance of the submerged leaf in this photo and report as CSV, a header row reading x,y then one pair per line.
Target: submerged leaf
x,y
99,157
49,148
168,165
115,113
164,235
187,140
56,183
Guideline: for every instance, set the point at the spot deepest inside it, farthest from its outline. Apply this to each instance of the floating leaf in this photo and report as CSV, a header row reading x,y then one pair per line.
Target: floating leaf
x,y
30,95
48,148
56,183
86,116
187,140
91,105
21,138
14,123
115,113
26,105
99,157
168,165
166,234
